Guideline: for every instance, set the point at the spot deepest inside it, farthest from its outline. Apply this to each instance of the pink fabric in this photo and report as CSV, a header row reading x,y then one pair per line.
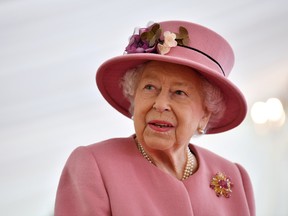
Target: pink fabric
x,y
113,178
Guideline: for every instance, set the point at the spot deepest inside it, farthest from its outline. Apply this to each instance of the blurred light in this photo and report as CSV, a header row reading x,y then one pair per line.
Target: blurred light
x,y
269,111
282,120
274,109
258,113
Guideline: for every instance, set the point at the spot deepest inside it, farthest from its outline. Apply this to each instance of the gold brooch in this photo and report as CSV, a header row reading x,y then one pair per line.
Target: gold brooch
x,y
222,185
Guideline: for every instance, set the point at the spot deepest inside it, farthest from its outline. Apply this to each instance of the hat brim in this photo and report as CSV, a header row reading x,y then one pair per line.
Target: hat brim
x,y
110,73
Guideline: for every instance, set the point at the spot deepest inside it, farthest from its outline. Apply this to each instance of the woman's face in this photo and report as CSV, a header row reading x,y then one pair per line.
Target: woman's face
x,y
168,107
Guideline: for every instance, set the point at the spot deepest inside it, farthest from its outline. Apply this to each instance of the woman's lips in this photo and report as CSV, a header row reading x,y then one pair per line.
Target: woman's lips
x,y
160,126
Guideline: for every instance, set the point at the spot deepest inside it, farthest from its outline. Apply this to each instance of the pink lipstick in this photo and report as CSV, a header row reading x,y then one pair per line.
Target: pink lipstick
x,y
160,126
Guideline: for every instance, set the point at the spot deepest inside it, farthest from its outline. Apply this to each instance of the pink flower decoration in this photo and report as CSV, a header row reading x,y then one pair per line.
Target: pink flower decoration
x,y
162,49
169,39
169,42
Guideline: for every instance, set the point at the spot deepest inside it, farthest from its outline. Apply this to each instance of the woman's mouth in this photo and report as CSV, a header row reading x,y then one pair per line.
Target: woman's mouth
x,y
160,126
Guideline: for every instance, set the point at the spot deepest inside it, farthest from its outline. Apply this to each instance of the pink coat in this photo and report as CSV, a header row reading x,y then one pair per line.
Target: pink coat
x,y
113,178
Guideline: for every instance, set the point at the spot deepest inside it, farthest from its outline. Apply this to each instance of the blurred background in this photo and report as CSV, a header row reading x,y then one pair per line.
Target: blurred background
x,y
49,103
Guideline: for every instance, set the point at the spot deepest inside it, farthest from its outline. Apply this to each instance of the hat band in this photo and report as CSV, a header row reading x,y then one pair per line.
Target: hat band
x,y
199,51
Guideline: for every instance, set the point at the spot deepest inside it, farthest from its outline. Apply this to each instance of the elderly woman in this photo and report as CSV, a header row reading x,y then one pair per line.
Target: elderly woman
x,y
173,83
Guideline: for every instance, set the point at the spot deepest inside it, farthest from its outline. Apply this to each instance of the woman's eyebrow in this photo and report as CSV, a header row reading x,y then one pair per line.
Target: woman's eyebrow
x,y
149,76
183,84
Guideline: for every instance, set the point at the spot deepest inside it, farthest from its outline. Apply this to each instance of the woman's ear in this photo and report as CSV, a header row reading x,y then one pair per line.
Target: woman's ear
x,y
206,117
203,122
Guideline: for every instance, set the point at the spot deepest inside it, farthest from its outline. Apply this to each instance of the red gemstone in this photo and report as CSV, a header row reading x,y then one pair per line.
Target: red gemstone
x,y
223,184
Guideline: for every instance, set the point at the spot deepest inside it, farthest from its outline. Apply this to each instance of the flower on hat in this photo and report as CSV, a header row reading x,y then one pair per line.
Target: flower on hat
x,y
148,40
221,184
169,42
145,40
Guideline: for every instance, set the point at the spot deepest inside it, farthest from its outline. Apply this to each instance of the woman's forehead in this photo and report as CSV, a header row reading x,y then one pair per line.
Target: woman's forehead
x,y
178,74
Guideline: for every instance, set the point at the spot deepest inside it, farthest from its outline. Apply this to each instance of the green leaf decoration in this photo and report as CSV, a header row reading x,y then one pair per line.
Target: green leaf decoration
x,y
152,35
182,37
183,31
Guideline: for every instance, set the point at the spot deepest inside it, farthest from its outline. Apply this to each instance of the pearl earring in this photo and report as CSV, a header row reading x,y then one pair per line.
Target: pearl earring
x,y
200,130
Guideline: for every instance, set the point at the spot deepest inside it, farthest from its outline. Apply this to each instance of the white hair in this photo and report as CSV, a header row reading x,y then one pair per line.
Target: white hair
x,y
129,84
213,98
213,101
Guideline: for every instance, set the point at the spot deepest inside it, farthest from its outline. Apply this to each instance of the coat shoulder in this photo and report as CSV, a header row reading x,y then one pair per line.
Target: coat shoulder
x,y
210,156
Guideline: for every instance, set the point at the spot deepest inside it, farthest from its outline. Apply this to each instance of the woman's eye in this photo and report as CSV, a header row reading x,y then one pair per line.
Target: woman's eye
x,y
180,92
149,87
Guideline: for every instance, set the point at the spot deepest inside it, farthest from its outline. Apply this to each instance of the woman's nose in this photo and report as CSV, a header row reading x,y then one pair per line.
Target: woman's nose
x,y
162,102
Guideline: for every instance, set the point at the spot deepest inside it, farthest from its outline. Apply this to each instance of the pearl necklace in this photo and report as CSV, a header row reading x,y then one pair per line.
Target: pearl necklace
x,y
189,165
188,171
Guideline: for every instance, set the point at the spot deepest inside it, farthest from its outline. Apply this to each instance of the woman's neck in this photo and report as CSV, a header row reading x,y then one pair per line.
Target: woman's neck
x,y
171,161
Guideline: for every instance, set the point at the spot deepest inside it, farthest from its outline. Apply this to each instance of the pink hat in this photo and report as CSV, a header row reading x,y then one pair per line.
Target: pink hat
x,y
197,47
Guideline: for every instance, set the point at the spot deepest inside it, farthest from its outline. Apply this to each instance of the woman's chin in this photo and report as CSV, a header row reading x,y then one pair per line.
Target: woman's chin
x,y
158,141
